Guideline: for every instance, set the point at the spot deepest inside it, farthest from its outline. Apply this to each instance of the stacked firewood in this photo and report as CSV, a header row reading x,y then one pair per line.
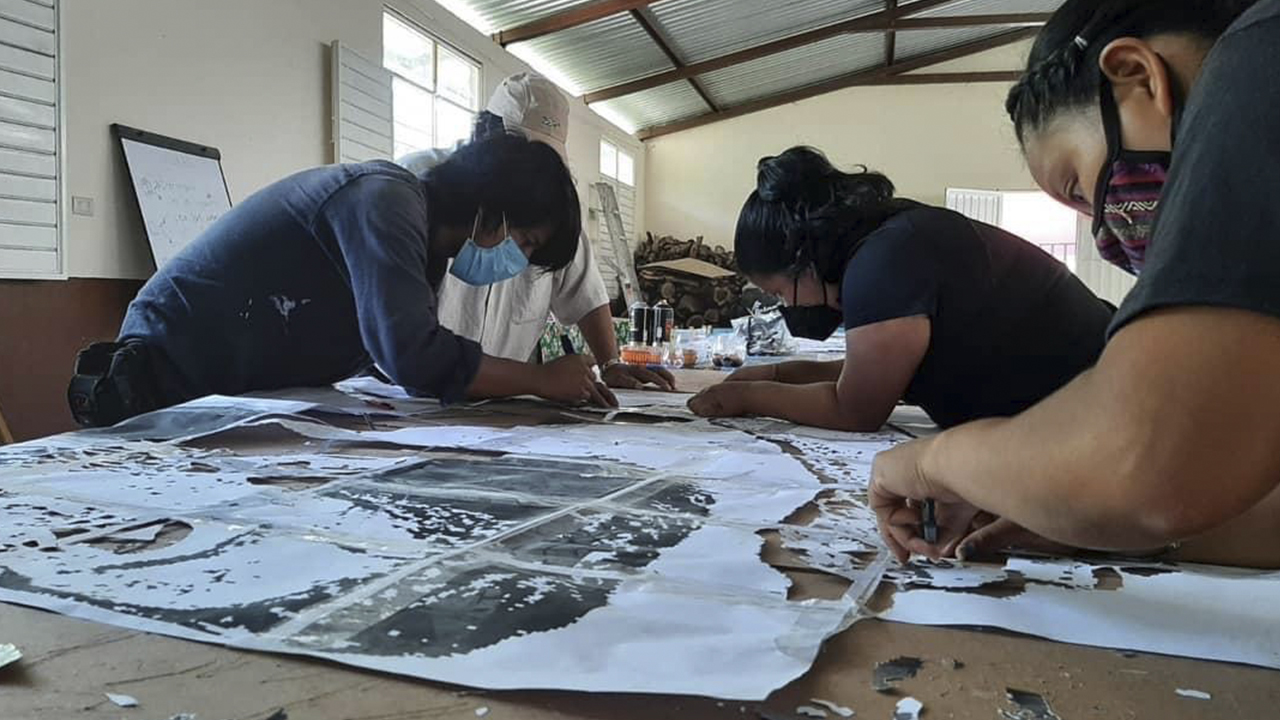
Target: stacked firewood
x,y
656,249
697,300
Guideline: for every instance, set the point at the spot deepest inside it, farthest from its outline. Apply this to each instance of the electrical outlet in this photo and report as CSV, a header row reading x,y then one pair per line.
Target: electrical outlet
x,y
82,206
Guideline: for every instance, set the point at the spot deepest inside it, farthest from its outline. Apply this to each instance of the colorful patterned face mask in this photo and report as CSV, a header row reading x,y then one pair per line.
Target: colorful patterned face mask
x,y
1128,194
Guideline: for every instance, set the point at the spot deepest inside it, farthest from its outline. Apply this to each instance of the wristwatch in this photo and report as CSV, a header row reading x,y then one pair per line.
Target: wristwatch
x,y
608,364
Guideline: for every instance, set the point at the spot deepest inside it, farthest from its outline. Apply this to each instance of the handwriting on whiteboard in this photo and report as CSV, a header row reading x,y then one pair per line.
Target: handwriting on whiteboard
x,y
180,195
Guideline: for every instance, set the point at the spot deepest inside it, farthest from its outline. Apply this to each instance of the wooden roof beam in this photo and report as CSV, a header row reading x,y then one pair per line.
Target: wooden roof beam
x,y
890,36
876,22
646,20
862,25
570,18
893,74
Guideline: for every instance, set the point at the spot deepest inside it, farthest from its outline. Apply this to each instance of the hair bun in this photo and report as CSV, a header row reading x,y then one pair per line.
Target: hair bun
x,y
794,176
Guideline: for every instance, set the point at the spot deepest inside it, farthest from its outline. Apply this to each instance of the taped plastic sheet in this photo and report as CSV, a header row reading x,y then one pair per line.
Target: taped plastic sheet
x,y
597,557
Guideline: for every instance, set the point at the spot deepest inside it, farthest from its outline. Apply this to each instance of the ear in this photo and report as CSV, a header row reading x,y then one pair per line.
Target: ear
x,y
1136,69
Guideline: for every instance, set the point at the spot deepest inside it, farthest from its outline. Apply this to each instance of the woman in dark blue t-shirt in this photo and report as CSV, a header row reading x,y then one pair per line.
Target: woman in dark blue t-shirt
x,y
959,317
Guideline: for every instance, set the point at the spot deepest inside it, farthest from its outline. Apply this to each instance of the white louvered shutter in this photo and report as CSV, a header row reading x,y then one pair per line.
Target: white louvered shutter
x,y
30,196
362,114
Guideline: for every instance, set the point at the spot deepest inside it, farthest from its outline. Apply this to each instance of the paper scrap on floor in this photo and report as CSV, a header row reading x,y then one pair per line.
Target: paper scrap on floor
x,y
9,654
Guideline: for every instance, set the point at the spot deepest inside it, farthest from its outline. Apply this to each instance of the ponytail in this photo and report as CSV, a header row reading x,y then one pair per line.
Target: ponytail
x,y
807,213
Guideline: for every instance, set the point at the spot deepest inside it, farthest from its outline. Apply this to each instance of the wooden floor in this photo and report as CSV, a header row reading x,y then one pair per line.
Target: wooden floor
x,y
69,664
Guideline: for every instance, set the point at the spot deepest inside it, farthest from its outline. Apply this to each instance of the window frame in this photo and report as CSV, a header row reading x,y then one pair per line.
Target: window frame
x,y
434,92
619,153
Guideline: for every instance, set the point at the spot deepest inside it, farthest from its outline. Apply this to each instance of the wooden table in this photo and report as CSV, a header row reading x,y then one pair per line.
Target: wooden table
x,y
70,663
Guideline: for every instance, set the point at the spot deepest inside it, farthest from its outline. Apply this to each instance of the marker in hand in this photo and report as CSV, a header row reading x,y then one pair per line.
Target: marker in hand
x,y
929,522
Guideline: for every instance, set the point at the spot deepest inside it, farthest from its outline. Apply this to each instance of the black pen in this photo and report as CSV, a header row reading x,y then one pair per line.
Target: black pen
x,y
929,522
567,345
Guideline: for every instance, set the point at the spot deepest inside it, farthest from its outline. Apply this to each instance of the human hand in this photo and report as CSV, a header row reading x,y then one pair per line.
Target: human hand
x,y
990,535
634,377
723,400
898,490
572,380
756,373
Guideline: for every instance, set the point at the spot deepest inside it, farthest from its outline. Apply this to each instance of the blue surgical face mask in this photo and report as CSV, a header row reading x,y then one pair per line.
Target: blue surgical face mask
x,y
475,265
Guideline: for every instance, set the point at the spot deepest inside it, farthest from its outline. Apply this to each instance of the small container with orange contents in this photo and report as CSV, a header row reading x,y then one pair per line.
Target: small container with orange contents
x,y
642,355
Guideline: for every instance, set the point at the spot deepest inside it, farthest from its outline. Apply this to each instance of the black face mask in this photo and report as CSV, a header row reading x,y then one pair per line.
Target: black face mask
x,y
812,322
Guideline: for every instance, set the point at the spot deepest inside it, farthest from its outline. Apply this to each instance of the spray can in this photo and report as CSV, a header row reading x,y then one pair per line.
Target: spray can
x,y
664,323
641,326
636,351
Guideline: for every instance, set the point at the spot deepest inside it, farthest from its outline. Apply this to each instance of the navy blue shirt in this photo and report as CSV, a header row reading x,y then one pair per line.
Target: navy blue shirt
x,y
308,281
1009,324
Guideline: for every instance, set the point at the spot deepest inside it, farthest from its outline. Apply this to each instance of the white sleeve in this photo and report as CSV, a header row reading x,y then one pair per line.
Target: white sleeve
x,y
578,289
420,162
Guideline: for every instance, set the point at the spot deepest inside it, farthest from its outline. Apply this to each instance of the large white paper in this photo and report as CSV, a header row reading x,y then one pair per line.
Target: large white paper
x,y
606,557
1195,611
596,557
1187,610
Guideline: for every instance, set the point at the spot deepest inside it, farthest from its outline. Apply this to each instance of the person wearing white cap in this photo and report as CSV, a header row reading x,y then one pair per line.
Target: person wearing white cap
x,y
508,318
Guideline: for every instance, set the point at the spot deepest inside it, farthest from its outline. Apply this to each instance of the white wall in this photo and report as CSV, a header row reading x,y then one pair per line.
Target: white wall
x,y
1106,280
925,138
249,77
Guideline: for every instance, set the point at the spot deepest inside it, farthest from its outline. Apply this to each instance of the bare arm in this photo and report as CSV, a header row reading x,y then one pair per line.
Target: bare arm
x,y
1171,435
880,361
569,380
499,377
795,372
803,372
597,330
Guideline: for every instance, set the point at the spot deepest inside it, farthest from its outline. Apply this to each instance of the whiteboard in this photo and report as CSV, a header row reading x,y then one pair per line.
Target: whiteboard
x,y
179,186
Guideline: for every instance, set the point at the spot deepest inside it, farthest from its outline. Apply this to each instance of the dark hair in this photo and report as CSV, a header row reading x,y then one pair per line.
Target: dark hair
x,y
1062,72
507,174
487,125
805,212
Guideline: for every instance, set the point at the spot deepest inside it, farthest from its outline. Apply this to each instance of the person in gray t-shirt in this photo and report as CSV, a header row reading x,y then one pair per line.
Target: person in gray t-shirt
x,y
1161,118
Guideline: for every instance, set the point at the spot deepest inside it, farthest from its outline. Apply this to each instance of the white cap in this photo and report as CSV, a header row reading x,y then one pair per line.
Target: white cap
x,y
533,106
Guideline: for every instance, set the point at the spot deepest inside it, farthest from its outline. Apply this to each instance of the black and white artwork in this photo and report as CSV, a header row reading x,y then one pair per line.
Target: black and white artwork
x,y
547,557
614,557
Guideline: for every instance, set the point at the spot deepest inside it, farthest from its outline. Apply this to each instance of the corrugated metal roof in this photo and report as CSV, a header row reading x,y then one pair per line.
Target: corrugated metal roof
x,y
616,49
793,69
921,42
599,54
991,7
703,29
658,106
506,14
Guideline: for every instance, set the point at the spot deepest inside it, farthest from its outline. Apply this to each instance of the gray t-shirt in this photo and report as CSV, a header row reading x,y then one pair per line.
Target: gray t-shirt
x,y
1217,236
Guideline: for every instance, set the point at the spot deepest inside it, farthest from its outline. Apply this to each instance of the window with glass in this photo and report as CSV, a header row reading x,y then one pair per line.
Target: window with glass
x,y
617,164
435,89
618,171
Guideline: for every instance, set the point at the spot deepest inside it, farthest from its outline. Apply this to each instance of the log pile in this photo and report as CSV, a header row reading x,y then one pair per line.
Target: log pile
x,y
698,301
